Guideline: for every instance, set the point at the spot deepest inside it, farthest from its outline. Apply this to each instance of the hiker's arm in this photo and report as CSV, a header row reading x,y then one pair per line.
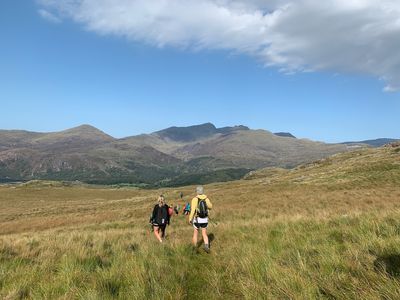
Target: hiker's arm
x,y
152,216
192,209
209,204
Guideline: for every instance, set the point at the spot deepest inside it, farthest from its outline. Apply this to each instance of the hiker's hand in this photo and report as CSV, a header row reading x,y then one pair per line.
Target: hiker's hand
x,y
190,222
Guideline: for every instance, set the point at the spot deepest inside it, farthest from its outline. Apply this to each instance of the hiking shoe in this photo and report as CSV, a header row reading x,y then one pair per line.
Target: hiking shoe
x,y
207,248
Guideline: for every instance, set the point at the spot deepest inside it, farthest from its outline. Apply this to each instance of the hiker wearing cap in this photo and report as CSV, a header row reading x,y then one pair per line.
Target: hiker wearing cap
x,y
160,218
199,216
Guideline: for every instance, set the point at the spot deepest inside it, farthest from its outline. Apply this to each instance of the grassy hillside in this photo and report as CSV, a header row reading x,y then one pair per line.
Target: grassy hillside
x,y
259,148
328,230
365,167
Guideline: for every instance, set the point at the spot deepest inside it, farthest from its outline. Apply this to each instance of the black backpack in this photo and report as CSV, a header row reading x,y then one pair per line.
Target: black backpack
x,y
160,215
202,210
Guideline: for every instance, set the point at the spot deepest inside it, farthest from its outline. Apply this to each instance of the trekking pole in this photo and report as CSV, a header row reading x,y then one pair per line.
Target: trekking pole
x,y
151,226
214,223
211,221
149,231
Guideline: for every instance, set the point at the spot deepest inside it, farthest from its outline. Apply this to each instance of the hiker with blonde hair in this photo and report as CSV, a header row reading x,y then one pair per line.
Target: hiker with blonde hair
x,y
160,218
199,217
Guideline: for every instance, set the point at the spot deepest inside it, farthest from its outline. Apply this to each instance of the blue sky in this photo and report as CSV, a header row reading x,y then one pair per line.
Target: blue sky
x,y
62,72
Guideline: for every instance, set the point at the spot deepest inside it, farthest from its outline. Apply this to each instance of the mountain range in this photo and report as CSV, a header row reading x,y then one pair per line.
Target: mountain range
x,y
372,143
173,156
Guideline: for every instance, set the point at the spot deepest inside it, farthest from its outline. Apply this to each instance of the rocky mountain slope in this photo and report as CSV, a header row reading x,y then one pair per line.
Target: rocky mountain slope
x,y
176,155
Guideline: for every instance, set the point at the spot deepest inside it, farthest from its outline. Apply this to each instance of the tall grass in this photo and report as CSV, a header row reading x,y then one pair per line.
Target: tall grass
x,y
338,258
310,233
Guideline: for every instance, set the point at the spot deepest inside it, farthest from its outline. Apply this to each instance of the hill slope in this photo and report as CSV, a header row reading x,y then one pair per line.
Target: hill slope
x,y
372,167
258,148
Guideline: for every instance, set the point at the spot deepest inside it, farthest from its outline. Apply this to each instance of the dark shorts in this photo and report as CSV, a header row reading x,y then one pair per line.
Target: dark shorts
x,y
158,225
200,225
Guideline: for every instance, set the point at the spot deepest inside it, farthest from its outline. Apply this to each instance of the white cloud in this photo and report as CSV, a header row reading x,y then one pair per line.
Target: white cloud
x,y
48,16
354,36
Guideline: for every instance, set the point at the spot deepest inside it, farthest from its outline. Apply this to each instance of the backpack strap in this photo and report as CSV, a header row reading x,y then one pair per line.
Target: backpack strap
x,y
198,202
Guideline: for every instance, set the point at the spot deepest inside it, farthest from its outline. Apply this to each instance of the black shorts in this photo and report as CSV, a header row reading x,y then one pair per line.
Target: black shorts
x,y
200,225
158,225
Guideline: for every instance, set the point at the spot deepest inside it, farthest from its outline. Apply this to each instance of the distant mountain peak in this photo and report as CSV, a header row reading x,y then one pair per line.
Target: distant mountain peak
x,y
187,134
196,132
285,134
84,131
83,128
229,129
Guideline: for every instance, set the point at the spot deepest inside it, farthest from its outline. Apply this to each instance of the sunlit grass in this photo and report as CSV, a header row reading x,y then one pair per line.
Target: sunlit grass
x,y
310,233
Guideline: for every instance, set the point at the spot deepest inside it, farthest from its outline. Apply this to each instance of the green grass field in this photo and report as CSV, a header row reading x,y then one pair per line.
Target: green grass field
x,y
328,230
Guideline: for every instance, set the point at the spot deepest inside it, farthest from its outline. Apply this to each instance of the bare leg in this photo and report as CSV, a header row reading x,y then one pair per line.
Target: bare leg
x,y
162,228
205,236
195,233
187,216
157,233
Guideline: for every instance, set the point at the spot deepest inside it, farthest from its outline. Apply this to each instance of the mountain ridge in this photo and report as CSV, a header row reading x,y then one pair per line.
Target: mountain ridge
x,y
170,156
195,132
285,134
373,143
